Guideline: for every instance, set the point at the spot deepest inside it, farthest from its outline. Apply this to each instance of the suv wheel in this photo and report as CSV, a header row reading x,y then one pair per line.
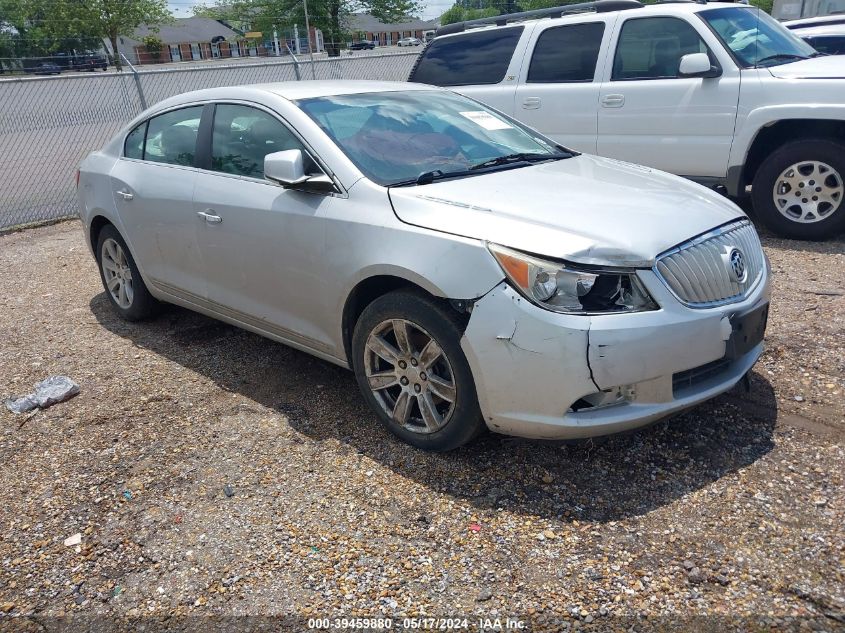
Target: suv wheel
x,y
799,189
123,284
410,367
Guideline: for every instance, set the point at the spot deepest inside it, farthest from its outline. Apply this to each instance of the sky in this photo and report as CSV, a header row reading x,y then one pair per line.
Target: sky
x,y
432,8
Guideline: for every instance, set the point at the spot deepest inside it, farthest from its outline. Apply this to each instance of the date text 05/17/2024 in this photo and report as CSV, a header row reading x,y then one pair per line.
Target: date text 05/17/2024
x,y
418,624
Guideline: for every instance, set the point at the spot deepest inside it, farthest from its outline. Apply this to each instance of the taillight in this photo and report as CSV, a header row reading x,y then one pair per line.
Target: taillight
x,y
77,179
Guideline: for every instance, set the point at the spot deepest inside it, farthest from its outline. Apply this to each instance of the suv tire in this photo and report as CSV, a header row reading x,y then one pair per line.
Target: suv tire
x,y
799,190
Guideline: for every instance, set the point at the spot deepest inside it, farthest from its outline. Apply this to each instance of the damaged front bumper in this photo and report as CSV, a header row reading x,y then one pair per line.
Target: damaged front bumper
x,y
542,374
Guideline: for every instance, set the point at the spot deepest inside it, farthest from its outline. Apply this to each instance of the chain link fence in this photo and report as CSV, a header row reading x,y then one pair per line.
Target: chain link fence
x,y
49,124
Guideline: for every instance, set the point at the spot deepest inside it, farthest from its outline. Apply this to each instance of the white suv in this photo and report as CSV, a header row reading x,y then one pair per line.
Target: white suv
x,y
720,93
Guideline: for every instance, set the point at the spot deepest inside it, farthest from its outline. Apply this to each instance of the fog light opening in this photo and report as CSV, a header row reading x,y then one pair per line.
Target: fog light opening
x,y
602,399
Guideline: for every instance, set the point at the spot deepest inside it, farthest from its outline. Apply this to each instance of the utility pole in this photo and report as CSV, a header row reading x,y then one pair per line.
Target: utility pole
x,y
308,36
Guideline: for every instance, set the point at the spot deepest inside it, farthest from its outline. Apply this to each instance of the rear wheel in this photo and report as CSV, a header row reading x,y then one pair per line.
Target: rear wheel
x,y
410,367
123,284
799,189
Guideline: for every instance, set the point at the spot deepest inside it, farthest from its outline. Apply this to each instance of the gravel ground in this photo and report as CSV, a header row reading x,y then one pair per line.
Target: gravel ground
x,y
212,472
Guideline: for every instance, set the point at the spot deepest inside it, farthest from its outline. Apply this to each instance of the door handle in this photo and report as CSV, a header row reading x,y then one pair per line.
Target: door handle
x,y
531,103
613,101
209,216
125,194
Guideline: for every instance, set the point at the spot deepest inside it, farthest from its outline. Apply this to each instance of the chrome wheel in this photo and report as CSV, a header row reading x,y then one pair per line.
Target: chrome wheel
x,y
809,191
117,273
410,376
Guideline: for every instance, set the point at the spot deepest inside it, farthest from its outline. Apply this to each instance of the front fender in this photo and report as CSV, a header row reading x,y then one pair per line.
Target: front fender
x,y
760,118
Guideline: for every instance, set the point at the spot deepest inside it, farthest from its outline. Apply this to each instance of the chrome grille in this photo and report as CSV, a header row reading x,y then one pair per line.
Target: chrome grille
x,y
699,274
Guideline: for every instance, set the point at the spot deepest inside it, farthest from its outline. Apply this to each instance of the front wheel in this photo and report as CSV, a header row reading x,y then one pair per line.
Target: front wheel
x,y
798,190
410,367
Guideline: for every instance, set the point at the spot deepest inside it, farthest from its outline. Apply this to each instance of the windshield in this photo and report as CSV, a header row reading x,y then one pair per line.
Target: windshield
x,y
756,38
393,137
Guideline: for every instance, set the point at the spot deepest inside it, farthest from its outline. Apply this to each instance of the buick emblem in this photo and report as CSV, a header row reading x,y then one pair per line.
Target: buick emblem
x,y
736,265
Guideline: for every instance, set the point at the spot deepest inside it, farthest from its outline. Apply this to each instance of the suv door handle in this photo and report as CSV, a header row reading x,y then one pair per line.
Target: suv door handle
x,y
613,101
531,103
209,216
125,194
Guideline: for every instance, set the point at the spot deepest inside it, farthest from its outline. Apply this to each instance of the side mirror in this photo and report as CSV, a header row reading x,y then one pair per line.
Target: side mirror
x,y
286,168
697,65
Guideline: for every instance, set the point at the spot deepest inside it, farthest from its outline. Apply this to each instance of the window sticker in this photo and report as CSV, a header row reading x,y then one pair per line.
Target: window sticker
x,y
486,120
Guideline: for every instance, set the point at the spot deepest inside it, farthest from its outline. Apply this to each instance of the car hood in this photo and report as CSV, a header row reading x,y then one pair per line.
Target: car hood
x,y
825,67
586,209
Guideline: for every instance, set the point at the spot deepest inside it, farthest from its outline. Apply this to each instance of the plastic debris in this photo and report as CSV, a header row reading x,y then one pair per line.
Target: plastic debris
x,y
76,539
474,527
48,392
127,495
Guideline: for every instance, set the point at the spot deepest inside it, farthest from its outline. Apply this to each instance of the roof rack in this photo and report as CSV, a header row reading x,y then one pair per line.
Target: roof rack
x,y
599,6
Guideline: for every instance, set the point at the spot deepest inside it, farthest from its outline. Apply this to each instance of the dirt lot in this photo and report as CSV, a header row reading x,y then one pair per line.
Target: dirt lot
x,y
209,471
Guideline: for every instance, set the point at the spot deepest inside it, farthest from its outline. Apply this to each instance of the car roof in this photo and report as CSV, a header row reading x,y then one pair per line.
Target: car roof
x,y
289,90
666,7
824,20
823,29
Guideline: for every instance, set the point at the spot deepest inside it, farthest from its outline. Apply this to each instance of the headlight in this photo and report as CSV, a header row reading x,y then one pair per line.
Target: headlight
x,y
563,288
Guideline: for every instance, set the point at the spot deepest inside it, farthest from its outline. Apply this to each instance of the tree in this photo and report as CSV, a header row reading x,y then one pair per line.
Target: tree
x,y
113,18
330,16
458,13
46,26
388,11
153,44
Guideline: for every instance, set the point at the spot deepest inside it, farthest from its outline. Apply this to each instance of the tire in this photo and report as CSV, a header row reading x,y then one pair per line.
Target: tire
x,y
134,302
429,384
815,161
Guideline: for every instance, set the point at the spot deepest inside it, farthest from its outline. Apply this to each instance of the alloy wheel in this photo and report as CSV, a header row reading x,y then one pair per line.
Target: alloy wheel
x,y
117,273
809,191
410,376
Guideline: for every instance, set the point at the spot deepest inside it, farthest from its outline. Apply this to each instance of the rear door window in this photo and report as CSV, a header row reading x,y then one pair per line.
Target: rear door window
x,y
476,58
566,54
172,137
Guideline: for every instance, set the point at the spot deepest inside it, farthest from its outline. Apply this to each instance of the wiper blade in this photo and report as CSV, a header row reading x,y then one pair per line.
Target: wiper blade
x,y
780,56
523,157
428,177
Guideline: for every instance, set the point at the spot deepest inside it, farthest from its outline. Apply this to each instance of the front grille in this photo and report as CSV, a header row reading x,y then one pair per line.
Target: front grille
x,y
696,375
699,274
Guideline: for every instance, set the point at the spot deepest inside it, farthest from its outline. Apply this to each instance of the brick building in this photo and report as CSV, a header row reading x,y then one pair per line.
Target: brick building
x,y
188,39
364,26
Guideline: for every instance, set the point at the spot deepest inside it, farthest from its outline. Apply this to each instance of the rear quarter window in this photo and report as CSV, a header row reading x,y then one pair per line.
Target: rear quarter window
x,y
134,146
482,57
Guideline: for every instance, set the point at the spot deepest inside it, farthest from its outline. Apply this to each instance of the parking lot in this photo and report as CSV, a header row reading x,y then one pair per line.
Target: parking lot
x,y
209,471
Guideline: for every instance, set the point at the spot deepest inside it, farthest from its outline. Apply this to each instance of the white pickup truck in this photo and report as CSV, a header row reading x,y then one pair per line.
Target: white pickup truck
x,y
717,92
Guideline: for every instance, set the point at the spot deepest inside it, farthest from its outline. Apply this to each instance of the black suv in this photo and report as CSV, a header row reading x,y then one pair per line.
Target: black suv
x,y
362,45
89,61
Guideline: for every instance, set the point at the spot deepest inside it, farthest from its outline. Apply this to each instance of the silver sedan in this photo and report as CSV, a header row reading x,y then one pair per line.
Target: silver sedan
x,y
471,272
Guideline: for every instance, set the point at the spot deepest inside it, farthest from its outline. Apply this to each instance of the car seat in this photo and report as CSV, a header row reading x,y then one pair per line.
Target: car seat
x,y
667,59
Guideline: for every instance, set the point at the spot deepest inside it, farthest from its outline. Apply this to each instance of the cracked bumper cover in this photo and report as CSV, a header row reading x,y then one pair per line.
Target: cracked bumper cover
x,y
531,365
